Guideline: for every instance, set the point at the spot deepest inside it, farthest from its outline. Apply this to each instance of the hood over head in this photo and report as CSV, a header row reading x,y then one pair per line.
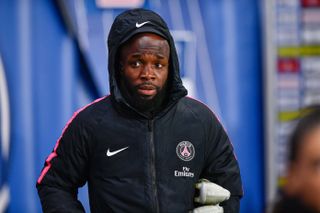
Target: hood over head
x,y
124,27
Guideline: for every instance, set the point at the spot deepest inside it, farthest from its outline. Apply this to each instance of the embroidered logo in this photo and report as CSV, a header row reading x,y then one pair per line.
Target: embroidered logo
x,y
141,24
109,153
185,172
185,150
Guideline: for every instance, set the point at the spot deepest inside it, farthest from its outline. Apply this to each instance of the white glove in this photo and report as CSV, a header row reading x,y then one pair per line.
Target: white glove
x,y
208,209
211,193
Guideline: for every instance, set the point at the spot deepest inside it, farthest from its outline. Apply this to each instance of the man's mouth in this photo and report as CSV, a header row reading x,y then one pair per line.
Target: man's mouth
x,y
147,90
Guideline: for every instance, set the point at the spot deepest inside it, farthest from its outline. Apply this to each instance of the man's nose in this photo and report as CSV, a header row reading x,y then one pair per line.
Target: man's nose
x,y
148,72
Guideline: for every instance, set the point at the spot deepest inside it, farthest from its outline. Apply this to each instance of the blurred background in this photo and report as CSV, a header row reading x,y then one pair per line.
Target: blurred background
x,y
256,63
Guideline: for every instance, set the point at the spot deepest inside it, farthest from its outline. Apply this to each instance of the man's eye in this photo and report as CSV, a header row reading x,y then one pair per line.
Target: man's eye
x,y
135,64
158,65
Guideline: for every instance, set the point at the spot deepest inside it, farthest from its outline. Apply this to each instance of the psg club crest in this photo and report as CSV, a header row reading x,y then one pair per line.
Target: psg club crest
x,y
185,150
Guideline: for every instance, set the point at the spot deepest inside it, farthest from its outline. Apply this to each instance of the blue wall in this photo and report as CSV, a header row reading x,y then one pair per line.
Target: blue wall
x,y
47,80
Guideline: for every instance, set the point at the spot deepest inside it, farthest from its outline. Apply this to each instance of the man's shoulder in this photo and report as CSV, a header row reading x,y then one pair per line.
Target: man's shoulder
x,y
96,105
93,109
197,107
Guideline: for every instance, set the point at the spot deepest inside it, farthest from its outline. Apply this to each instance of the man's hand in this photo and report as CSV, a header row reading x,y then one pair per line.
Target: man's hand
x,y
210,195
208,209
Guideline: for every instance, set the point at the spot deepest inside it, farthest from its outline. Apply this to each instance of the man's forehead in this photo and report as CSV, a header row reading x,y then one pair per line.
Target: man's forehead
x,y
146,36
139,54
146,42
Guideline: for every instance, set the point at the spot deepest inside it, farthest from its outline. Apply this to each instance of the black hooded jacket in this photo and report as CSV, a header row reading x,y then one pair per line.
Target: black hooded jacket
x,y
135,163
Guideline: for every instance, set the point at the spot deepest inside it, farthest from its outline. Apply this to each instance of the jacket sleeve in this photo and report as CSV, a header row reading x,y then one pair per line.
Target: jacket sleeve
x,y
65,170
221,166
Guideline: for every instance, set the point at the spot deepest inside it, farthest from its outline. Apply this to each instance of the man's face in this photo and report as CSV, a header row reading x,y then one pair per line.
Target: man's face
x,y
144,65
306,170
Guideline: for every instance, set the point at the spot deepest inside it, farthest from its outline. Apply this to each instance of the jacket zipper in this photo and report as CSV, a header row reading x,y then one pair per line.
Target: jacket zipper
x,y
153,166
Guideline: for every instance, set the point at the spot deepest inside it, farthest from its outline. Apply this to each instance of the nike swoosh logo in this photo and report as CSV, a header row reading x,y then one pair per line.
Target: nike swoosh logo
x,y
109,153
140,25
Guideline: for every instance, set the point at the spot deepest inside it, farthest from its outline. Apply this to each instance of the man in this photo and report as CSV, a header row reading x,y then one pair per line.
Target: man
x,y
144,147
301,193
